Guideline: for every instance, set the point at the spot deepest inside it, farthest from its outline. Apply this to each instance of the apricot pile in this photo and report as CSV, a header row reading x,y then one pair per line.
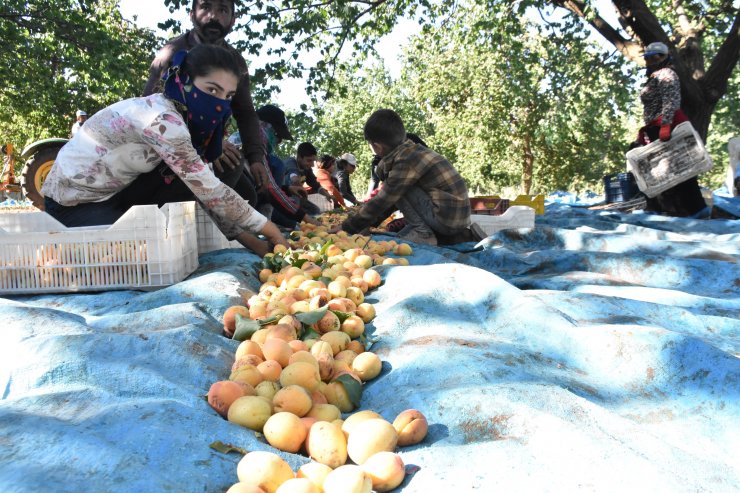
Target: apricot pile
x,y
301,365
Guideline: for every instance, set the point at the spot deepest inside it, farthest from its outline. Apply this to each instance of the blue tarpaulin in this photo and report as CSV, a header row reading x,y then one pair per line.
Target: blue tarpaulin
x,y
595,352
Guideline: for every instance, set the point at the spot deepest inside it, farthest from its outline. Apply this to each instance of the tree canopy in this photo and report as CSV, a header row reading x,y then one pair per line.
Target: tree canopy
x,y
702,34
516,91
510,106
61,55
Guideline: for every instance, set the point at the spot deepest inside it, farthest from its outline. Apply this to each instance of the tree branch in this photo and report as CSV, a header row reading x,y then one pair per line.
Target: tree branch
x,y
683,20
372,4
724,63
628,48
641,20
346,31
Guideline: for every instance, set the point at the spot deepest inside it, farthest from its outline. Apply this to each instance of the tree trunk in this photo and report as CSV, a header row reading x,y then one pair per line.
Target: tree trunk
x,y
701,87
527,164
698,109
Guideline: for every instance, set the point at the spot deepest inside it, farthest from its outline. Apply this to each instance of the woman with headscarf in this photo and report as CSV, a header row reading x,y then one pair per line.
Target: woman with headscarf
x,y
159,149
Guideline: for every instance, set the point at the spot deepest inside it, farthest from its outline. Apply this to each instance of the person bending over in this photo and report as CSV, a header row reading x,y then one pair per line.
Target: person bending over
x,y
325,166
423,185
159,149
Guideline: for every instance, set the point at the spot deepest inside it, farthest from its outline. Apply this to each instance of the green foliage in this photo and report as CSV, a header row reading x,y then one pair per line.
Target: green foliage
x,y
336,126
725,125
519,104
494,91
329,29
484,84
61,55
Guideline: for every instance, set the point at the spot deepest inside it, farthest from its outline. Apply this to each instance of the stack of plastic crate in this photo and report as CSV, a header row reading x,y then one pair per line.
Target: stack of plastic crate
x,y
146,248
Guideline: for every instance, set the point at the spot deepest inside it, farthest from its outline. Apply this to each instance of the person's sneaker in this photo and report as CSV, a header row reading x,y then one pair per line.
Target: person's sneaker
x,y
419,237
478,233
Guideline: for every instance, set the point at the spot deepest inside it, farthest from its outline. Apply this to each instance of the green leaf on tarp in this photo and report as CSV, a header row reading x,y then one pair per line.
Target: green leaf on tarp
x,y
310,318
310,334
245,327
326,247
267,261
226,448
299,262
295,235
342,316
353,388
267,321
280,262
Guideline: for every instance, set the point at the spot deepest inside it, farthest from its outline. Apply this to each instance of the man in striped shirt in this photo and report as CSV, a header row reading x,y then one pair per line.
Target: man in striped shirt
x,y
423,185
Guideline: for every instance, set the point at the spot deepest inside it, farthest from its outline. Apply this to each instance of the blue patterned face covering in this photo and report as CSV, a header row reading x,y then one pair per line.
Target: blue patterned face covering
x,y
207,114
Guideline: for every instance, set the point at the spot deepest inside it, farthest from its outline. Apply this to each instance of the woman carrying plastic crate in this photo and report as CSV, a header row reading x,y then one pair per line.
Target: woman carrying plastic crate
x,y
158,149
661,100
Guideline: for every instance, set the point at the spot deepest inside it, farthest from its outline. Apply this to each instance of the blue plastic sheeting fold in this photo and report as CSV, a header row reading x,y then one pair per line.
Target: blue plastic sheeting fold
x,y
596,352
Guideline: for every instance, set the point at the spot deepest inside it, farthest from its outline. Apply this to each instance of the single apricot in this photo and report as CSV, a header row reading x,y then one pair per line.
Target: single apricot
x,y
230,318
222,394
411,426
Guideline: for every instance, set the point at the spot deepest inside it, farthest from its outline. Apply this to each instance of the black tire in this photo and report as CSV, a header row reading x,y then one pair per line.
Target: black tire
x,y
34,173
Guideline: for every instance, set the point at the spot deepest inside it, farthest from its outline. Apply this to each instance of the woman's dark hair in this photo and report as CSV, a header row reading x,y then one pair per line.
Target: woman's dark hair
x,y
326,161
342,163
204,59
385,127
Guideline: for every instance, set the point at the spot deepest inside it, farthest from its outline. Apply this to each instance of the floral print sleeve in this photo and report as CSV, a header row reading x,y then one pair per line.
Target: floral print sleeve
x,y
168,135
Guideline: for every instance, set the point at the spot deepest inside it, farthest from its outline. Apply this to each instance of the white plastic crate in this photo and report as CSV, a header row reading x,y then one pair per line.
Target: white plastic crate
x,y
518,216
660,165
146,248
210,238
321,202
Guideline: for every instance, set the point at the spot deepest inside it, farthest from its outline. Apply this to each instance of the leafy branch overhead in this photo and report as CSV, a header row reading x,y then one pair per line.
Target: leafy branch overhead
x,y
63,55
332,29
703,33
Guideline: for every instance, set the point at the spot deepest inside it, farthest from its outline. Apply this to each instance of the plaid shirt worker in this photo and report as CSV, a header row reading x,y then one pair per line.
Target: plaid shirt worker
x,y
410,165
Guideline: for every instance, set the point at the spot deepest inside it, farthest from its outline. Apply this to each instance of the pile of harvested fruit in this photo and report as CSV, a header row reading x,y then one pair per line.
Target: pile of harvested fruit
x,y
298,373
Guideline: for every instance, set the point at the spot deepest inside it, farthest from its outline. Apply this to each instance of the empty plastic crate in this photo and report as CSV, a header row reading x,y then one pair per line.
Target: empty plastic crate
x,y
515,217
146,248
660,165
210,238
620,187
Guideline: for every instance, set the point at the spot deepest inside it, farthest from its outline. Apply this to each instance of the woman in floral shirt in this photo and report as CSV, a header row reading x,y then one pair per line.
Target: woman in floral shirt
x,y
159,149
661,101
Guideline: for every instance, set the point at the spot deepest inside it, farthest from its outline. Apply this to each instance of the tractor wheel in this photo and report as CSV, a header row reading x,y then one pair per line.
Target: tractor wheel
x,y
34,173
